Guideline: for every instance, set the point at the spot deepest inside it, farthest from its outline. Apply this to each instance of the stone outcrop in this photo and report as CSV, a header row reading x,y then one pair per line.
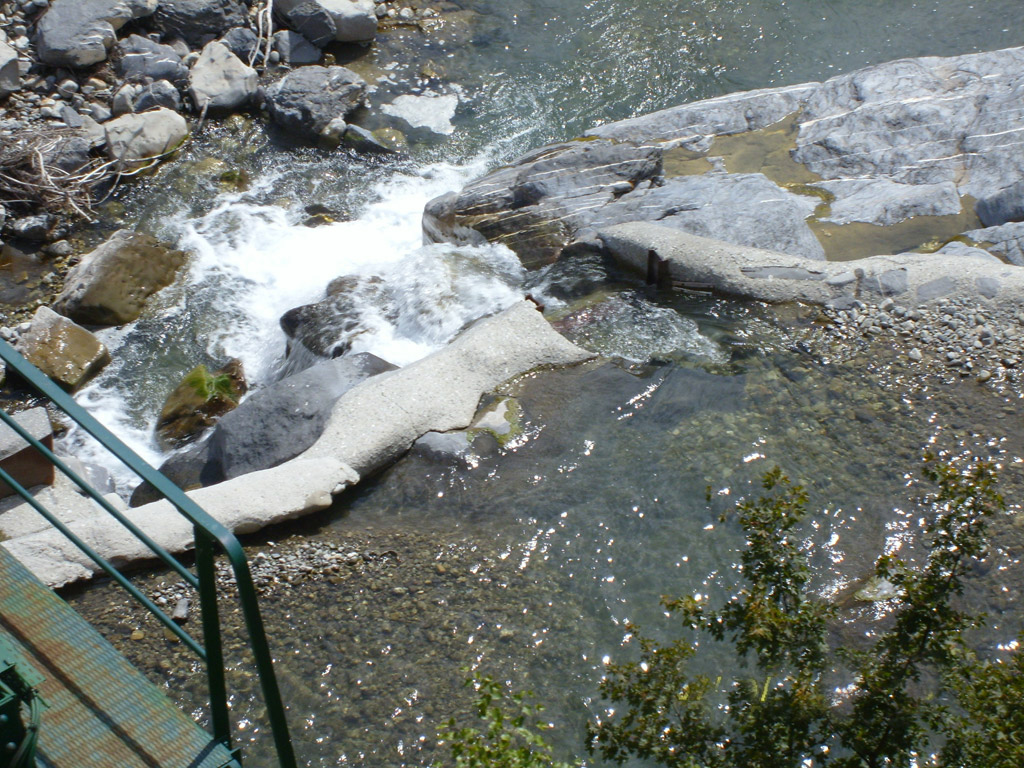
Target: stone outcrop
x,y
135,139
62,350
110,285
219,82
78,33
305,101
928,143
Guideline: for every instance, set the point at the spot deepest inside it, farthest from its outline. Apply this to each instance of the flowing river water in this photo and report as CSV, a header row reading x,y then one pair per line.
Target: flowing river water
x,y
525,559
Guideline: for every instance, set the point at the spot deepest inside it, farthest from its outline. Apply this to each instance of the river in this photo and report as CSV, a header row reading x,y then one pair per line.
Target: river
x,y
525,560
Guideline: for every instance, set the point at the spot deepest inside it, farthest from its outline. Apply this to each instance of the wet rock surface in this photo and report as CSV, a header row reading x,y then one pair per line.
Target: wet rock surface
x,y
881,146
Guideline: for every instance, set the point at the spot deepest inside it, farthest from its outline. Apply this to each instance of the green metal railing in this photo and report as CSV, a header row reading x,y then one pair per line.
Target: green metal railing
x,y
210,535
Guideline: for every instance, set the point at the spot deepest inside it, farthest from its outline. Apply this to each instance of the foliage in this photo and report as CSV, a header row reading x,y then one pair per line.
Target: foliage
x,y
512,736
777,626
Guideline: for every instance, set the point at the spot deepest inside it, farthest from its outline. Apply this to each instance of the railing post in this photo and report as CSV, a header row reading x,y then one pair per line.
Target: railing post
x,y
207,574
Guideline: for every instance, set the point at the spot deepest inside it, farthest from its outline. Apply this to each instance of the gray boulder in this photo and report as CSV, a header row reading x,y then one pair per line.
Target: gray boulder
x,y
135,97
355,21
1006,205
281,421
242,41
10,75
219,82
1006,240
295,49
141,60
309,19
78,33
199,21
305,101
133,140
326,329
110,285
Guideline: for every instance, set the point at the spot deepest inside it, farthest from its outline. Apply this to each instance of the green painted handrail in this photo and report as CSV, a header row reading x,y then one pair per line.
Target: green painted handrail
x,y
210,535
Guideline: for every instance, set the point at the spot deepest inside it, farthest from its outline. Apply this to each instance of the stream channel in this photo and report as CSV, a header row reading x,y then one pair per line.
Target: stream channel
x,y
525,559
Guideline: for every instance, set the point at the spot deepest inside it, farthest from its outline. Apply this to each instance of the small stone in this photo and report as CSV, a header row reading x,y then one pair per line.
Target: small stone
x,y
138,634
915,355
984,375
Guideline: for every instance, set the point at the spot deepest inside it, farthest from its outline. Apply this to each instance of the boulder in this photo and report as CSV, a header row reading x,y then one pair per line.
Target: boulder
x,y
295,49
110,285
10,75
159,93
219,82
309,19
354,21
133,140
1003,207
198,21
305,101
242,41
62,350
326,329
141,60
78,33
36,228
281,421
1006,240
19,459
198,401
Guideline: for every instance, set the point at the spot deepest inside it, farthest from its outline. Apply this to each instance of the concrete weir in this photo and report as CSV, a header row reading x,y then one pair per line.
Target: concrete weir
x,y
370,425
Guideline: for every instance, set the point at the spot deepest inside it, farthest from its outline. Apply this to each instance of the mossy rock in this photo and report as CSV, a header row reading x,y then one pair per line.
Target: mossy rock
x,y
198,401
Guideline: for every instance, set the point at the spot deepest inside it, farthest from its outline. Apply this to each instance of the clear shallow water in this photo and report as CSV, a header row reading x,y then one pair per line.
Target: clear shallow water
x,y
528,561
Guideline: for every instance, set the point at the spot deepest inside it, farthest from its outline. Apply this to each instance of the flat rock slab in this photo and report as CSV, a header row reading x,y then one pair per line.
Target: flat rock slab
x,y
909,279
885,145
372,424
62,350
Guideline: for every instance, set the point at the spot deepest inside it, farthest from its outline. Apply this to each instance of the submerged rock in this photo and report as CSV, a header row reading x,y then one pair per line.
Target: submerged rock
x,y
62,350
326,329
198,401
110,285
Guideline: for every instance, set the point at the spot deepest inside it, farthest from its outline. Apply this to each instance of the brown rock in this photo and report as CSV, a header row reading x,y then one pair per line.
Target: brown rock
x,y
111,284
198,401
62,350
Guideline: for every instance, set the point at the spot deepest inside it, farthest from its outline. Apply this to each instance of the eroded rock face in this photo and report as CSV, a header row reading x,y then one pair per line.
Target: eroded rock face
x,y
62,350
881,146
305,101
110,285
78,33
